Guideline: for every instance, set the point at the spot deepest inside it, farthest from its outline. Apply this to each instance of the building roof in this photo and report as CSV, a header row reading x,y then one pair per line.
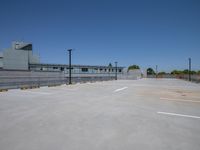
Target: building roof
x,y
66,65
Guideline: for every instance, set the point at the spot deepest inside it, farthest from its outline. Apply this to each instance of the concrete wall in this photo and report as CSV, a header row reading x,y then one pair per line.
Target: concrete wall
x,y
33,58
130,75
15,59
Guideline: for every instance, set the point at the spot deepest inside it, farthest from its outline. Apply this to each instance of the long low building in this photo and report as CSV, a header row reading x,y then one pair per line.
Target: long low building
x,y
80,69
20,57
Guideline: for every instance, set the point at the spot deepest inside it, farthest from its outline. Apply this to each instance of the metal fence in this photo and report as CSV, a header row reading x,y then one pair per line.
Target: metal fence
x,y
194,77
27,79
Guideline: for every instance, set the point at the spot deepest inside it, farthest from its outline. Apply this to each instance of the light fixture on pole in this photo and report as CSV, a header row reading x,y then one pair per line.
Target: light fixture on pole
x,y
189,71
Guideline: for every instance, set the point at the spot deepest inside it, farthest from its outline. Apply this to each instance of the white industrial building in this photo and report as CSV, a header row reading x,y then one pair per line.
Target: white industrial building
x,y
20,57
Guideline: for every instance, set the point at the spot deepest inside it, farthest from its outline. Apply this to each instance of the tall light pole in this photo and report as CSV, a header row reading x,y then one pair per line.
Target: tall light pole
x,y
70,66
28,61
156,71
189,71
116,70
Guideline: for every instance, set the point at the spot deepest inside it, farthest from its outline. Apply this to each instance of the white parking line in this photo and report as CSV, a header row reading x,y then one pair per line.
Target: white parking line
x,y
117,90
180,115
34,92
184,100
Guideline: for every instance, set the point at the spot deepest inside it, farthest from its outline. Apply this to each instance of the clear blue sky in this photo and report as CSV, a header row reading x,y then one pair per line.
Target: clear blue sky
x,y
142,32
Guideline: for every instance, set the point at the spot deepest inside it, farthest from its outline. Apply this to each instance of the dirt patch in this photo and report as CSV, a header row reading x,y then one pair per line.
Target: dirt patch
x,y
170,93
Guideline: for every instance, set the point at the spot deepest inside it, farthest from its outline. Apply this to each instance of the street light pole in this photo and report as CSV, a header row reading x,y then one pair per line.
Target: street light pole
x,y
28,61
189,71
70,66
116,70
156,71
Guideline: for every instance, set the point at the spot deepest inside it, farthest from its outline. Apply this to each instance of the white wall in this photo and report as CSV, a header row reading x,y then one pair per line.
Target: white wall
x,y
15,59
18,59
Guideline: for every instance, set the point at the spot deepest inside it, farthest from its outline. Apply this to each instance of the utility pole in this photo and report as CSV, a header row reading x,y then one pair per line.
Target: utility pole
x,y
116,70
70,66
29,58
28,61
156,71
189,71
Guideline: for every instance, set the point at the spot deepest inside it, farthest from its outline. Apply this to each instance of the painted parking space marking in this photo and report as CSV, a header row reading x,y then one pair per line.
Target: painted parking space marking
x,y
179,115
34,92
117,90
184,100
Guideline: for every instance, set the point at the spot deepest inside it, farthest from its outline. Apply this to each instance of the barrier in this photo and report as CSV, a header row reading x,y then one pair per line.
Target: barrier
x,y
194,77
30,80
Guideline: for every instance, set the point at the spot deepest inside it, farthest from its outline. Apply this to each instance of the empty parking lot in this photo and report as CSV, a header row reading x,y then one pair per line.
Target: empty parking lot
x,y
125,114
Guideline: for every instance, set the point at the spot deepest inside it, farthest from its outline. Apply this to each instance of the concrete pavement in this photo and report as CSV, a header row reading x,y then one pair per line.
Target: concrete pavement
x,y
113,115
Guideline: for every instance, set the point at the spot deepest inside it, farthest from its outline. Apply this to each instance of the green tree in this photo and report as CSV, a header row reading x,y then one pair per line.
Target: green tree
x,y
150,71
110,65
193,72
132,67
185,71
177,72
162,73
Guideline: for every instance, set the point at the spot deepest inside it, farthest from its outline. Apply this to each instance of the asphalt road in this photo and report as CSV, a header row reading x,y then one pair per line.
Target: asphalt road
x,y
113,115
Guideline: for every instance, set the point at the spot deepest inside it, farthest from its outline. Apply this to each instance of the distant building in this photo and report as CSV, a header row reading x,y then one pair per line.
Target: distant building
x,y
20,57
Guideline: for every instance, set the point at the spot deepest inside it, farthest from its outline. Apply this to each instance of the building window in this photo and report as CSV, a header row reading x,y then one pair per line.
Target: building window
x,y
120,70
84,69
105,70
68,68
55,67
62,69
